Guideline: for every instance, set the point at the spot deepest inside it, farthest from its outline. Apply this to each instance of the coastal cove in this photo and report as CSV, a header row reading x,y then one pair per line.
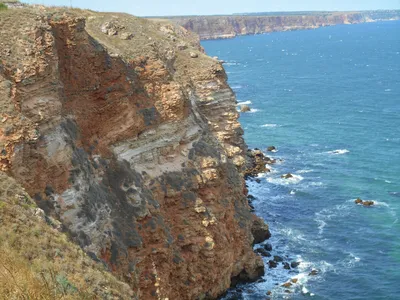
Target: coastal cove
x,y
328,100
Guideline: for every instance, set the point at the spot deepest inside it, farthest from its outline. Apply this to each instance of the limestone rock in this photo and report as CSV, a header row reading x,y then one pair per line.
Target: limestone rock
x,y
126,36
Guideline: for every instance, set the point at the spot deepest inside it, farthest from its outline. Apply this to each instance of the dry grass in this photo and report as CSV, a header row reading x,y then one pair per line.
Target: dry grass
x,y
39,262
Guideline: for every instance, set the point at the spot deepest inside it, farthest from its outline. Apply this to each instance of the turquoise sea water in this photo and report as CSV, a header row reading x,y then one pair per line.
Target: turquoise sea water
x,y
329,100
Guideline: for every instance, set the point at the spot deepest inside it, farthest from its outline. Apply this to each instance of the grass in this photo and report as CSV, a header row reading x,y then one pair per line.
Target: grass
x,y
39,262
3,6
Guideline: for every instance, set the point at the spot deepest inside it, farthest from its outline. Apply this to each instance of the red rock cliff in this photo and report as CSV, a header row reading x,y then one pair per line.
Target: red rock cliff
x,y
125,131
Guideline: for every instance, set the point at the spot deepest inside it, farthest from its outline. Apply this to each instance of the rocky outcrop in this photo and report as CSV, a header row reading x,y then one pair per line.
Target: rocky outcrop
x,y
223,27
118,131
366,203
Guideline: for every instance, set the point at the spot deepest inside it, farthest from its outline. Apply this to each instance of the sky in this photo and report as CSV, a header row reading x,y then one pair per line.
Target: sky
x,y
210,7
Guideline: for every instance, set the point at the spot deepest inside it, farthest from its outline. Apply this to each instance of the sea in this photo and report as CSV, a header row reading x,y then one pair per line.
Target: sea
x,y
329,101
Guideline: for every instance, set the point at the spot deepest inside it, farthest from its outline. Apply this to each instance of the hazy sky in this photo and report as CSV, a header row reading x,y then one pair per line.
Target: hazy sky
x,y
206,7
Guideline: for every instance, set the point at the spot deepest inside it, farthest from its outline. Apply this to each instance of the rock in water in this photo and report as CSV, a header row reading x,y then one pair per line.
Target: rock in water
x,y
358,201
272,264
278,258
313,273
271,148
287,176
260,231
244,108
263,252
268,247
294,264
368,203
287,284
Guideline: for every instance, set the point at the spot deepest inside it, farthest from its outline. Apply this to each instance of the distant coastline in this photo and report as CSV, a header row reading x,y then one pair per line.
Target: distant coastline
x,y
225,27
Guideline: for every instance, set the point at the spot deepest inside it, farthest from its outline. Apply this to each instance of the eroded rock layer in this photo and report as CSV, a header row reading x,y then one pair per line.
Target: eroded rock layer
x,y
126,132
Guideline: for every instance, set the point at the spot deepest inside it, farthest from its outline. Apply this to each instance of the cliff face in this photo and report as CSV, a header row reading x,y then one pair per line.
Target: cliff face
x,y
126,132
220,27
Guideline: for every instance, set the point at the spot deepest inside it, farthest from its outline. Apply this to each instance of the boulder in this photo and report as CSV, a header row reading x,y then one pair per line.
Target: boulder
x,y
287,284
263,252
278,258
358,201
286,266
294,280
268,247
294,264
126,36
271,148
272,264
368,203
287,176
313,273
193,55
260,231
244,108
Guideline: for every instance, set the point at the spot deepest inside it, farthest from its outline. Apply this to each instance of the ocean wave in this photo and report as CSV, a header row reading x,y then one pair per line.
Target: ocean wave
x,y
305,171
253,110
231,63
283,181
339,151
248,102
327,214
236,87
395,194
270,125
388,90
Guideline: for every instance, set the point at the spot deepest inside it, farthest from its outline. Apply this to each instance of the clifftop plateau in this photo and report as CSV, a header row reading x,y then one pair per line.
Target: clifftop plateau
x,y
124,132
221,27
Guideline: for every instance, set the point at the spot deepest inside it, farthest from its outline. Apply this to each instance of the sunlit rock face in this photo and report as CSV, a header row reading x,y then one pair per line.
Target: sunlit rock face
x,y
125,131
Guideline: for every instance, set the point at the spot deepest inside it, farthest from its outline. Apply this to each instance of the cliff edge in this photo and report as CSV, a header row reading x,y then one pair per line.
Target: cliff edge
x,y
127,133
223,27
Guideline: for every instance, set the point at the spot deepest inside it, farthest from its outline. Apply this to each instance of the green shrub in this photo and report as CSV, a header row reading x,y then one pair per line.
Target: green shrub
x,y
3,6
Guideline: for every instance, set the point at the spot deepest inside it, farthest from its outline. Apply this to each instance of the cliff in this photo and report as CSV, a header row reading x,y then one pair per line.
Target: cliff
x,y
124,131
221,27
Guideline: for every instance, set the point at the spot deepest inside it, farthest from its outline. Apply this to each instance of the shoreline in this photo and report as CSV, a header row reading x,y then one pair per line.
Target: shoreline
x,y
228,27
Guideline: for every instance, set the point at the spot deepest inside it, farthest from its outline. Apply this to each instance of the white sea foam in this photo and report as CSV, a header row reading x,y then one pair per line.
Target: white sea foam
x,y
356,259
339,151
321,226
253,110
388,181
388,90
248,102
305,171
283,181
236,87
292,192
379,203
270,125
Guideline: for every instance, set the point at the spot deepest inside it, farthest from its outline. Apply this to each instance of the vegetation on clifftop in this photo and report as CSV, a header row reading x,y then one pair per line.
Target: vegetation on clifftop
x,y
37,261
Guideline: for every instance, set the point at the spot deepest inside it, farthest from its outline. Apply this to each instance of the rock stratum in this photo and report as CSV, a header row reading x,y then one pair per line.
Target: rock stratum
x,y
224,27
124,132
